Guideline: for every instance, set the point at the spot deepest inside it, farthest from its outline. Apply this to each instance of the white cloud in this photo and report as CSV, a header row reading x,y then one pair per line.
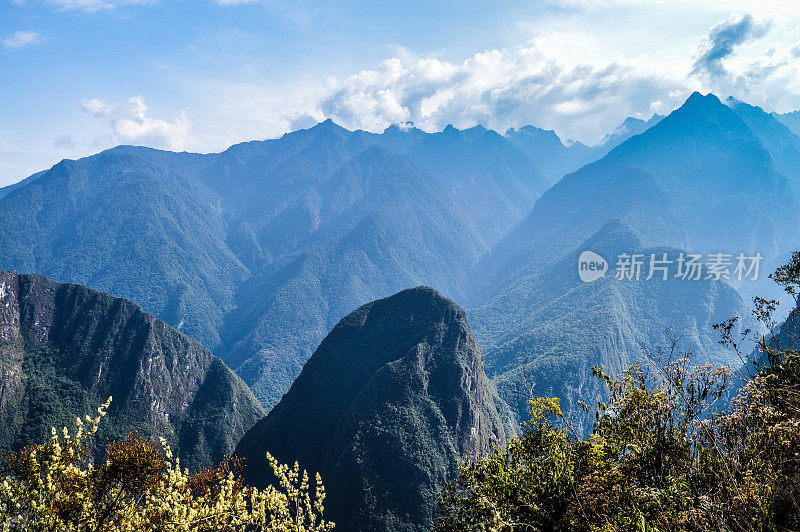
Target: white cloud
x,y
129,123
503,88
737,59
90,6
571,82
21,39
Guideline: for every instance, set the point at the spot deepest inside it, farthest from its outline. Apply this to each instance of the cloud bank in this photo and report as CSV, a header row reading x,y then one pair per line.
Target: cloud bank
x,y
735,59
560,82
499,88
129,123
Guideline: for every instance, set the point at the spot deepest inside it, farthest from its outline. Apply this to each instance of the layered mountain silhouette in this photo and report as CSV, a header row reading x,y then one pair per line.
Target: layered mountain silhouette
x,y
496,180
133,222
553,157
783,145
64,349
389,402
258,251
374,226
700,179
630,127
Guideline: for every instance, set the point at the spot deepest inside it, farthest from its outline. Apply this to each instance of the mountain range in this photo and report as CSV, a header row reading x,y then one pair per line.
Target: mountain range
x,y
258,251
261,253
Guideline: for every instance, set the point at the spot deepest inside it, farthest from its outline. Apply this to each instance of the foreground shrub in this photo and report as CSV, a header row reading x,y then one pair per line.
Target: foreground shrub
x,y
139,487
659,458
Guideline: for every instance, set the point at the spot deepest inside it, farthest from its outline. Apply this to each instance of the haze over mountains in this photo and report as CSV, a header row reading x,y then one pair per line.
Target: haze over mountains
x,y
791,120
258,251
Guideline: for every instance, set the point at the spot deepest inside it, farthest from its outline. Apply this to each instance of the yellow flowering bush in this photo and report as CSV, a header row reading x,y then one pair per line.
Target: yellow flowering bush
x,y
137,487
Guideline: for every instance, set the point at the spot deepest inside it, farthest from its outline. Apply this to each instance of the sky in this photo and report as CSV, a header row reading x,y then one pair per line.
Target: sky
x,y
80,76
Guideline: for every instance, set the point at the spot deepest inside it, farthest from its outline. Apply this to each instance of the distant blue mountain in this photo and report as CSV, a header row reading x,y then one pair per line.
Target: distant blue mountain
x,y
782,144
553,157
259,250
375,226
497,181
630,127
791,120
700,180
133,222
548,329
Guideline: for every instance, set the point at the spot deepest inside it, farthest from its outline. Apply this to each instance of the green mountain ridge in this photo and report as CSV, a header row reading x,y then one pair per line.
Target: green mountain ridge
x,y
258,251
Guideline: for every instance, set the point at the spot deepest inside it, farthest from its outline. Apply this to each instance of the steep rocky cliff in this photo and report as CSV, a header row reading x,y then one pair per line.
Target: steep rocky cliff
x,y
65,348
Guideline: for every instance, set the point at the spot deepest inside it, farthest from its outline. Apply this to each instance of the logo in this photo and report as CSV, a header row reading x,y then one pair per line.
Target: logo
x,y
591,266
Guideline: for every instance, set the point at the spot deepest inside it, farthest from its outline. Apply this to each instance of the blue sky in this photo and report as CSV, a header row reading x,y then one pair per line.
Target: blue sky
x,y
78,76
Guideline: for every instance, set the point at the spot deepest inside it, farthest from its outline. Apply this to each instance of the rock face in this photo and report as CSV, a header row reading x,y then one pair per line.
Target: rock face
x,y
383,409
65,348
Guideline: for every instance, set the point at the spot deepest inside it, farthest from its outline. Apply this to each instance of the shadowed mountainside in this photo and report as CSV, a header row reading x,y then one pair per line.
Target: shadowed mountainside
x,y
383,409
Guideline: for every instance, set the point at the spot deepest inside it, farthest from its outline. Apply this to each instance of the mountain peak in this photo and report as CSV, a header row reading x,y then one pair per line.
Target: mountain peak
x,y
476,129
393,376
329,124
698,100
631,121
164,383
400,128
697,114
546,135
450,129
